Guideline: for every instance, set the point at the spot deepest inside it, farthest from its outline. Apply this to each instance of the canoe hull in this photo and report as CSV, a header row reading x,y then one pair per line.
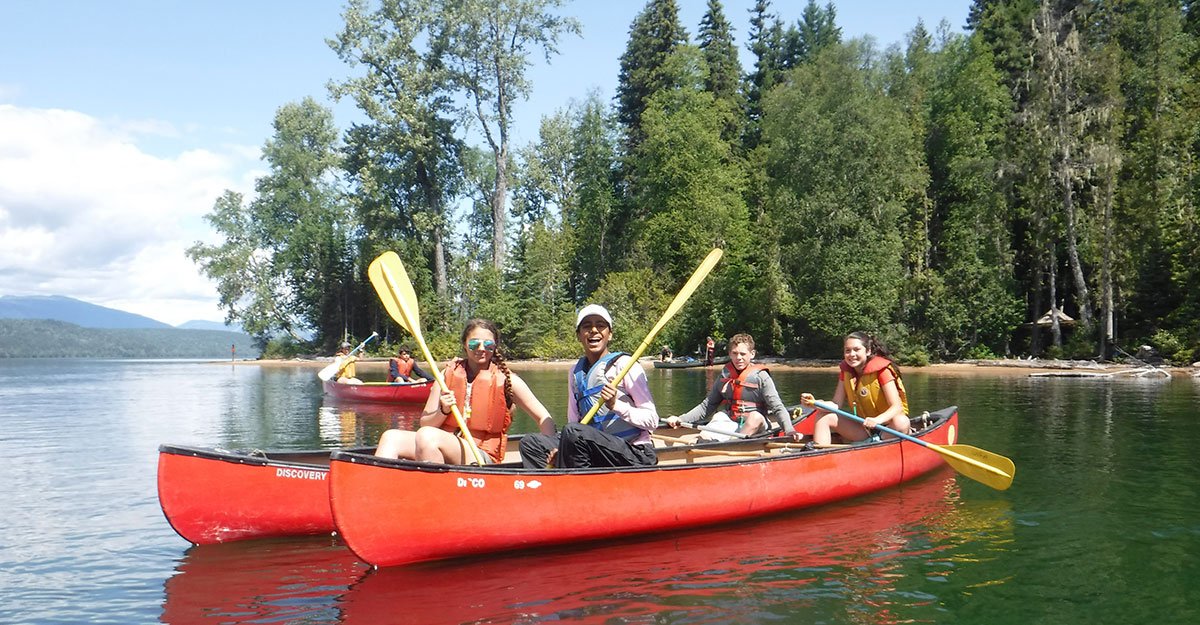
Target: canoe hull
x,y
396,512
212,496
407,393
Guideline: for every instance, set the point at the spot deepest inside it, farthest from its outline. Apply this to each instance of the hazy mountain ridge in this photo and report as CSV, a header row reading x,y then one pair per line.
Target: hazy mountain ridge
x,y
71,310
48,338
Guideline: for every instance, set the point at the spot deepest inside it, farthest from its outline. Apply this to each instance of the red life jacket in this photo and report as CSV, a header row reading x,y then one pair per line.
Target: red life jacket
x,y
489,414
738,405
404,366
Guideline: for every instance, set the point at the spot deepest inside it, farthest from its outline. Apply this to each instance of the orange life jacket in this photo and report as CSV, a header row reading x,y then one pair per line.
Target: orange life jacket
x,y
404,366
489,415
737,382
865,393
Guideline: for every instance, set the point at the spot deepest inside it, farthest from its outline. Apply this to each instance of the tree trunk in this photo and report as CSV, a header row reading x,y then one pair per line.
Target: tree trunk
x,y
433,199
500,203
1055,327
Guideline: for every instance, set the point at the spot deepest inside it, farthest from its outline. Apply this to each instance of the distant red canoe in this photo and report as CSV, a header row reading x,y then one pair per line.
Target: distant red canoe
x,y
382,392
214,496
373,499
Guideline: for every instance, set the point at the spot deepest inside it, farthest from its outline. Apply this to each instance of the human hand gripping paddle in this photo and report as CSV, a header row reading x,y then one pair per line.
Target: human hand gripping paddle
x,y
980,465
391,281
339,363
677,303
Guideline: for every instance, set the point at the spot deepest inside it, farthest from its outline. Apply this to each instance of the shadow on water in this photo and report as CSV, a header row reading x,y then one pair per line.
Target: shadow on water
x,y
858,557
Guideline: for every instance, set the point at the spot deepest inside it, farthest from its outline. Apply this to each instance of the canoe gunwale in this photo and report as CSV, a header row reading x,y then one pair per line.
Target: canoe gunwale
x,y
939,417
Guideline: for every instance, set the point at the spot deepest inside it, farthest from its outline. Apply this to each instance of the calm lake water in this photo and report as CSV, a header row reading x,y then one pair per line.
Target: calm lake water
x,y
1102,524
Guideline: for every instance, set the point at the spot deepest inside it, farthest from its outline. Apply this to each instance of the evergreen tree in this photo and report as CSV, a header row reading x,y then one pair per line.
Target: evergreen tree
x,y
655,33
766,43
595,230
724,70
816,30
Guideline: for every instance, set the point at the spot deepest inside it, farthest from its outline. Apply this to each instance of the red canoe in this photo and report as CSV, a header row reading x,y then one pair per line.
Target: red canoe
x,y
393,512
384,392
214,496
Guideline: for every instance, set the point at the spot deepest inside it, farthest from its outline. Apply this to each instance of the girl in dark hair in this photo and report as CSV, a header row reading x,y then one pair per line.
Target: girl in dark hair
x,y
484,390
869,386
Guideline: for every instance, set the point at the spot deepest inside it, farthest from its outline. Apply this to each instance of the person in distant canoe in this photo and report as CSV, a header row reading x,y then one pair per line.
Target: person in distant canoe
x,y
665,354
741,397
346,373
869,386
403,368
619,433
484,390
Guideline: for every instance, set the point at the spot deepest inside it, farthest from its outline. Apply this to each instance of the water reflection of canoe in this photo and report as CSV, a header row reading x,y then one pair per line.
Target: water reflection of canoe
x,y
684,363
385,392
373,499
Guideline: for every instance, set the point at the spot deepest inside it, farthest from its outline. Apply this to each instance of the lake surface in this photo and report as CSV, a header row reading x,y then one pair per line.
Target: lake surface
x,y
1101,525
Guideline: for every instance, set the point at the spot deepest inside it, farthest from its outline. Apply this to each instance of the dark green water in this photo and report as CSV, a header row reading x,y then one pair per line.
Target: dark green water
x,y
1102,524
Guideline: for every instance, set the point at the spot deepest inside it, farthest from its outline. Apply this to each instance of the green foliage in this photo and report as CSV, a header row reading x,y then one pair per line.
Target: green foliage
x,y
286,348
939,194
844,165
655,33
1174,345
636,300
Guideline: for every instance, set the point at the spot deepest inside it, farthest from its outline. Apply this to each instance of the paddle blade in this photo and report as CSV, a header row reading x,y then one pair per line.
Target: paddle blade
x,y
395,290
332,368
998,471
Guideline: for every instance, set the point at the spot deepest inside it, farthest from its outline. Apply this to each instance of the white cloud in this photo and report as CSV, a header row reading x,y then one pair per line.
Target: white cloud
x,y
85,213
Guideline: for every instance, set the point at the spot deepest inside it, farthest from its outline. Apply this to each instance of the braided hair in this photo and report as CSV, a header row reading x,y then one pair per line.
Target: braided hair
x,y
497,357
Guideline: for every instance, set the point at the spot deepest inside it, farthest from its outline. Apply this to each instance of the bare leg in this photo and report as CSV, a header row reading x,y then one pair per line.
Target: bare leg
x,y
397,444
753,423
438,445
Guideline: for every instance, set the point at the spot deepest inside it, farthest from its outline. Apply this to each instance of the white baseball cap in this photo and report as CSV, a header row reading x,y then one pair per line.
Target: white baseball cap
x,y
593,309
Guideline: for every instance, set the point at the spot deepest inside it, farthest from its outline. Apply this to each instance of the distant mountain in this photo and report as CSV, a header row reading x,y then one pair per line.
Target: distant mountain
x,y
209,325
46,338
60,308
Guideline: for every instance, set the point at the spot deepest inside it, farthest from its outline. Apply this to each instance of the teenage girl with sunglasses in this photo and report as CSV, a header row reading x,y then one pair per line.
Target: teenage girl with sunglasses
x,y
484,390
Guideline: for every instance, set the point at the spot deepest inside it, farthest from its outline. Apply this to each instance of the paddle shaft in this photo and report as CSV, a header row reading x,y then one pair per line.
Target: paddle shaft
x,y
680,299
415,328
829,407
360,346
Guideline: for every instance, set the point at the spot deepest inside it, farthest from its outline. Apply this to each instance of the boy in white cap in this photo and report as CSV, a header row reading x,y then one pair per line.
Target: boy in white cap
x,y
619,433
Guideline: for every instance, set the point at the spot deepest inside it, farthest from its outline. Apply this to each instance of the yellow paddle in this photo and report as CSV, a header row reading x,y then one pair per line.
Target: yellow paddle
x,y
677,303
391,281
980,465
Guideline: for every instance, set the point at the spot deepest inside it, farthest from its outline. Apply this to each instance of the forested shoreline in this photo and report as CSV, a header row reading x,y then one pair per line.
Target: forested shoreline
x,y
946,193
47,338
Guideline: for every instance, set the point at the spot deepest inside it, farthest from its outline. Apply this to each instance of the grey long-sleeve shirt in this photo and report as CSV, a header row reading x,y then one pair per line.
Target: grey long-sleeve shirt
x,y
765,394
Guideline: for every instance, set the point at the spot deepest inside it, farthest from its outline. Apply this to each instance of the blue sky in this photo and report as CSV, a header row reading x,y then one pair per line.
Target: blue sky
x,y
121,122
